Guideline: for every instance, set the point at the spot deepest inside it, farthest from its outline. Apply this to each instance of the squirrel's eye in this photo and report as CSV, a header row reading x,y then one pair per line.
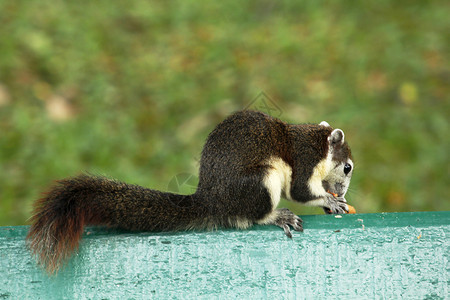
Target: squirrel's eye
x,y
347,168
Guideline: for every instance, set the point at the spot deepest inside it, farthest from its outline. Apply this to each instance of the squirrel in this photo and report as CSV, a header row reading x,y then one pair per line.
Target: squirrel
x,y
249,161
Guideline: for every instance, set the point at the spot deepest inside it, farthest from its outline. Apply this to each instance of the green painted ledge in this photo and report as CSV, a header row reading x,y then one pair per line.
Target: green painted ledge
x,y
388,255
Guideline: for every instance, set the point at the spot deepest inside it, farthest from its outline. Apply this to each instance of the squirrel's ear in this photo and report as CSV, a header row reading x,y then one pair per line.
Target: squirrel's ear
x,y
324,123
336,137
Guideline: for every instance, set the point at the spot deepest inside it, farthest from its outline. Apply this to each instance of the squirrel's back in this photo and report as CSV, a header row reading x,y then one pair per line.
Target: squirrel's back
x,y
241,143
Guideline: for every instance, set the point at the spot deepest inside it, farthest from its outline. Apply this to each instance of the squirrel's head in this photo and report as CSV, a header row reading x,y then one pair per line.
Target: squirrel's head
x,y
339,163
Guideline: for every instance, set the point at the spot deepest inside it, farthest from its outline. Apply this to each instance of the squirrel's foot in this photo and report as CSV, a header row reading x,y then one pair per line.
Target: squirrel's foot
x,y
335,205
285,218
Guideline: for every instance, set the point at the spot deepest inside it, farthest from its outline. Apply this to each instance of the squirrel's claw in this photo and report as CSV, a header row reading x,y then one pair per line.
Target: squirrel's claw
x,y
285,218
287,231
335,205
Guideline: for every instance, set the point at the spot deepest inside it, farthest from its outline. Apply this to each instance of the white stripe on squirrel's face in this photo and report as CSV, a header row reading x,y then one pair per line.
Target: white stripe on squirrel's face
x,y
320,172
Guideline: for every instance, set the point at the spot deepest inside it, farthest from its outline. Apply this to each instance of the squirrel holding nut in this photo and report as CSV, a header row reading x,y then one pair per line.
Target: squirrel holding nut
x,y
248,163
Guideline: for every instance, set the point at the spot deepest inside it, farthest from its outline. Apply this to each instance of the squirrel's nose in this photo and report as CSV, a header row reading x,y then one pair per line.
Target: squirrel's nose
x,y
339,187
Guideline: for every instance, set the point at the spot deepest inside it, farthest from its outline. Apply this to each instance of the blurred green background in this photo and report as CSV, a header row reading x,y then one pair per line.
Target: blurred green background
x,y
131,89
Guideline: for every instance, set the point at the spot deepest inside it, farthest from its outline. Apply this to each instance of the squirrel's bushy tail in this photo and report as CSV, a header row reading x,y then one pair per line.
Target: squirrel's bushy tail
x,y
59,217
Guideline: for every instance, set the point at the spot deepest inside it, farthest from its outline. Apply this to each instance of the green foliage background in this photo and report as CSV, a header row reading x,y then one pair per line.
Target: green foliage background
x,y
132,88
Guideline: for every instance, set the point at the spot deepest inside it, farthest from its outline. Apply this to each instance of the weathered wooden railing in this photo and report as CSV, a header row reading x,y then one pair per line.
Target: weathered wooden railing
x,y
388,255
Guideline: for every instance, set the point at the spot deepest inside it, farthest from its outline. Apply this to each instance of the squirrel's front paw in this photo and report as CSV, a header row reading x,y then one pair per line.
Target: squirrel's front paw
x,y
286,218
335,205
